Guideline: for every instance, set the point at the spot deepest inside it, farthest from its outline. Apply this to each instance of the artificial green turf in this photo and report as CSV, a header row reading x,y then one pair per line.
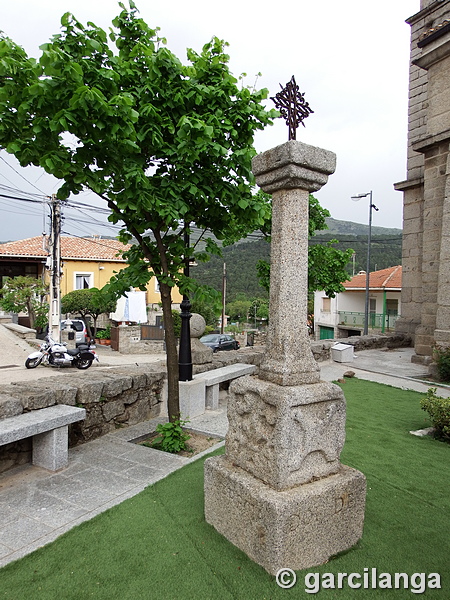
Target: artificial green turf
x,y
158,546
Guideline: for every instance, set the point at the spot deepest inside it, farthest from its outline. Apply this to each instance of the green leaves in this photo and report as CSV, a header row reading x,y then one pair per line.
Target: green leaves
x,y
25,294
171,437
163,143
90,301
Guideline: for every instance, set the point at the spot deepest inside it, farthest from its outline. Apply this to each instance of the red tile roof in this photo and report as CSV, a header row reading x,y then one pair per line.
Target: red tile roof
x,y
388,279
71,248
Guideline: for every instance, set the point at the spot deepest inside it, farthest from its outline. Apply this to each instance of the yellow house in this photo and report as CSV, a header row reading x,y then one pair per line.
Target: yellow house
x,y
86,263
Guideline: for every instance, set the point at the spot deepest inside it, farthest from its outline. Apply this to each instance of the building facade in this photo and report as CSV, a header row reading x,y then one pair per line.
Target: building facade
x,y
343,315
86,263
426,204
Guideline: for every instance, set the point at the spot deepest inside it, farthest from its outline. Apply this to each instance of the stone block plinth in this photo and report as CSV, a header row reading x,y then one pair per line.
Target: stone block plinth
x,y
285,435
298,528
293,165
192,398
50,449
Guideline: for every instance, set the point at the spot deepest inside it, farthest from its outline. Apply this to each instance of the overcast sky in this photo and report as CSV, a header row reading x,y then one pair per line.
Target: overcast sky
x,y
350,58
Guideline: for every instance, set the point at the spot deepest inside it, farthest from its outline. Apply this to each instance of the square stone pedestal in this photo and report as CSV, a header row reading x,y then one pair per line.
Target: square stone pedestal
x,y
297,528
192,398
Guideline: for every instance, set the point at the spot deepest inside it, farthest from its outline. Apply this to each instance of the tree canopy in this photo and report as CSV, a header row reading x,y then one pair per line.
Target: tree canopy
x,y
25,294
90,302
166,145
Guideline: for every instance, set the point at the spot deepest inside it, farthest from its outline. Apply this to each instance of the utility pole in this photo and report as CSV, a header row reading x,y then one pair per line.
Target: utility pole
x,y
54,313
224,296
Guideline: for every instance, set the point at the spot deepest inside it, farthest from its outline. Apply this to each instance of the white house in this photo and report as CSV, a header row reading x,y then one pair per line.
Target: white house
x,y
343,316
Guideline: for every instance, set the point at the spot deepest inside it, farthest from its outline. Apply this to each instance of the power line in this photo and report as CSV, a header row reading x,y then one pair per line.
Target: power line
x,y
29,211
15,190
21,199
20,175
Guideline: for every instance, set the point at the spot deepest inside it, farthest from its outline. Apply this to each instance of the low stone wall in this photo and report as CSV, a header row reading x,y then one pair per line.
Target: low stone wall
x,y
249,356
130,342
128,396
322,349
23,332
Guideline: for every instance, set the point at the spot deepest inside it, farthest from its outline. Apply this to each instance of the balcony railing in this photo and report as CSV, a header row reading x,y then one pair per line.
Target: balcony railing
x,y
376,321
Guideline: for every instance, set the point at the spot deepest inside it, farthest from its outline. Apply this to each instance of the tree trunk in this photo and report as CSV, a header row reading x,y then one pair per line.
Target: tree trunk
x,y
31,314
92,332
173,399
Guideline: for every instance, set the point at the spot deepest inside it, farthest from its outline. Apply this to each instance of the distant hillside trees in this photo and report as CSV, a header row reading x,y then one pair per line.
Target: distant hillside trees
x,y
242,258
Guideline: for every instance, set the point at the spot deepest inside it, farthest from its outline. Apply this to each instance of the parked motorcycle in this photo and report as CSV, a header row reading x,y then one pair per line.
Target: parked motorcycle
x,y
56,354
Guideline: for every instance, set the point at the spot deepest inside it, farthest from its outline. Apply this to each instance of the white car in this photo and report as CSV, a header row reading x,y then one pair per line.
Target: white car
x,y
80,329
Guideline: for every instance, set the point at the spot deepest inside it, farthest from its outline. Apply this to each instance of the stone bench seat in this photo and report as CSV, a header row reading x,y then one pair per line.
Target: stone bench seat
x,y
214,378
49,429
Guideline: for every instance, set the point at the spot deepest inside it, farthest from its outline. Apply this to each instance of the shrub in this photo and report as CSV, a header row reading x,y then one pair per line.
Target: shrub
x,y
442,358
176,323
171,437
439,410
104,334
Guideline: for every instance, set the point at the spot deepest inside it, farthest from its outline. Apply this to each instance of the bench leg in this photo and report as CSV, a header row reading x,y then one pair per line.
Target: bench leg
x,y
212,397
50,449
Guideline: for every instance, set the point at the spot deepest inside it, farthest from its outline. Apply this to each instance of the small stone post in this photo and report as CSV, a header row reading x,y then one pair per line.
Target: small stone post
x,y
280,492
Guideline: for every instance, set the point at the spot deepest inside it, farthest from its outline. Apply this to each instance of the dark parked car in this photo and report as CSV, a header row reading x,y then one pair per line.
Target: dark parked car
x,y
219,341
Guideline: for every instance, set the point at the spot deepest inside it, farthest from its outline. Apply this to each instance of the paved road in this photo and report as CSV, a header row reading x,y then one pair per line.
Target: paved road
x,y
14,352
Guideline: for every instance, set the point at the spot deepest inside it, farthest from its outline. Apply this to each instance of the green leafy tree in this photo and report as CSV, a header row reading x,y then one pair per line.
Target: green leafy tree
x,y
166,145
90,302
207,310
26,294
326,264
238,310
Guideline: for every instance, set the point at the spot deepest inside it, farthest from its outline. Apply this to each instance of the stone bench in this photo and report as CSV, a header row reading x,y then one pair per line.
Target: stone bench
x,y
214,378
49,429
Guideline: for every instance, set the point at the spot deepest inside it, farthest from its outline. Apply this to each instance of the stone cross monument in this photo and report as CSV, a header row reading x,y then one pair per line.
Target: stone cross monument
x,y
280,492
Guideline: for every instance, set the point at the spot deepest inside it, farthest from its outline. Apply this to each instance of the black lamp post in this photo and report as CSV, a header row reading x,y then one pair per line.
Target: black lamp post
x,y
369,240
185,356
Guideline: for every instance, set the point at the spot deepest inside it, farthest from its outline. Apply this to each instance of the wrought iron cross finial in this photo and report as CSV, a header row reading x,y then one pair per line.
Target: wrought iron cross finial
x,y
292,106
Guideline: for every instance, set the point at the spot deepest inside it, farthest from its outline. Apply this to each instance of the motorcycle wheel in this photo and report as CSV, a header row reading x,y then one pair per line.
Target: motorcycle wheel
x,y
83,363
32,363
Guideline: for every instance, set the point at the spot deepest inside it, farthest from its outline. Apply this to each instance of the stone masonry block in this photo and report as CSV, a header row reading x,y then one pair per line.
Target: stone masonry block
x,y
112,409
50,449
115,385
212,397
443,317
9,406
442,337
192,398
293,165
286,435
89,391
298,528
33,398
424,349
66,394
141,410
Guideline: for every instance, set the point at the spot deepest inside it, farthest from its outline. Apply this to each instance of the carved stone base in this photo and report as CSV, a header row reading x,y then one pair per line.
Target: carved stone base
x,y
297,528
285,435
